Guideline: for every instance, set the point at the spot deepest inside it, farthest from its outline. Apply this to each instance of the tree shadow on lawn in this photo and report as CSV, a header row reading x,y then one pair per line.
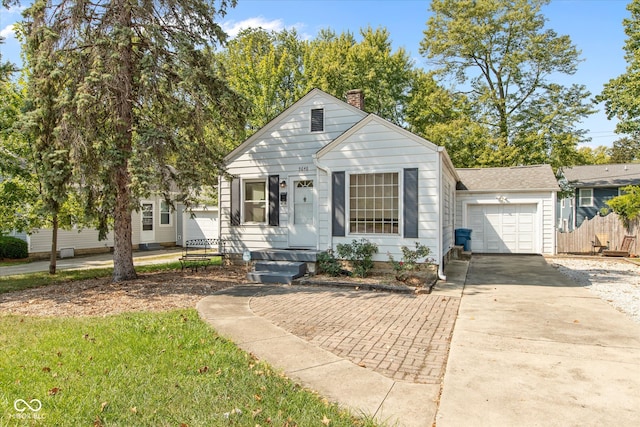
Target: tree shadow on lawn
x,y
154,291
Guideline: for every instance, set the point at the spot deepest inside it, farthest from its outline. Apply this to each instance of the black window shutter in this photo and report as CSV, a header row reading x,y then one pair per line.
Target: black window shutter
x,y
235,201
338,202
410,202
274,192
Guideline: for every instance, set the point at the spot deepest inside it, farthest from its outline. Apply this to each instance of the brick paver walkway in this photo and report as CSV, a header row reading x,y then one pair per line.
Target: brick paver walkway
x,y
403,337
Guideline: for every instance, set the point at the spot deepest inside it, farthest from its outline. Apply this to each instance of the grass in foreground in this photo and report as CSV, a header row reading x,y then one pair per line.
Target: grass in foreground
x,y
34,280
144,369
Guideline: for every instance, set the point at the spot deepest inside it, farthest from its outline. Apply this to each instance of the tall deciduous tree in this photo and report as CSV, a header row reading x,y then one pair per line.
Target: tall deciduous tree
x,y
444,118
621,95
266,68
140,97
274,69
500,52
625,150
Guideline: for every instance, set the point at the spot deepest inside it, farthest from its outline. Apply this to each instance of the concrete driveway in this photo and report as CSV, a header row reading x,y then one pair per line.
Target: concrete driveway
x,y
531,347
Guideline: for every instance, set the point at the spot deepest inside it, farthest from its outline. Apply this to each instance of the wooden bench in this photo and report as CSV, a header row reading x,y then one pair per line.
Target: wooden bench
x,y
198,252
625,248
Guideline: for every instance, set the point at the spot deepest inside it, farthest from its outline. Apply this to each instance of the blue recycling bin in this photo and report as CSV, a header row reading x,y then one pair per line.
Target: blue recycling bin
x,y
463,237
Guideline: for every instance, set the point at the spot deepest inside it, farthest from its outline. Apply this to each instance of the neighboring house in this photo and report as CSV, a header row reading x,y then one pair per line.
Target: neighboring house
x,y
155,226
325,172
199,223
509,210
594,185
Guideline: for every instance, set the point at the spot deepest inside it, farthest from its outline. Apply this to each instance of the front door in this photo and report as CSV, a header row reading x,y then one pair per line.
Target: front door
x,y
147,230
302,225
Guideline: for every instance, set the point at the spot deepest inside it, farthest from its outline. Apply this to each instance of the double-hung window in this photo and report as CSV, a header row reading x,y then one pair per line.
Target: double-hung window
x,y
165,213
585,197
373,203
255,201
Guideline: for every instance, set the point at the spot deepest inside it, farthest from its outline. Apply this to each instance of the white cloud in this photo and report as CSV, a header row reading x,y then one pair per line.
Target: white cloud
x,y
7,32
232,28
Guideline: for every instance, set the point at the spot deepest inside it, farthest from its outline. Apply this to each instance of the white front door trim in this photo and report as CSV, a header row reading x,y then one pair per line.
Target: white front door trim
x,y
302,212
147,222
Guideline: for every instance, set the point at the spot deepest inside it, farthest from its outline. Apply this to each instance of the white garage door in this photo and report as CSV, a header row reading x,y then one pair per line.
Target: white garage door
x,y
503,228
203,226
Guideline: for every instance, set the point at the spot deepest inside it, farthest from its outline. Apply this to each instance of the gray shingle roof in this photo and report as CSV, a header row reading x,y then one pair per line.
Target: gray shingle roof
x,y
616,175
517,178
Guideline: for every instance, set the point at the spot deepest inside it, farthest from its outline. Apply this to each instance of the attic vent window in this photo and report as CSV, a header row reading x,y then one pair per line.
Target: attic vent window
x,y
317,120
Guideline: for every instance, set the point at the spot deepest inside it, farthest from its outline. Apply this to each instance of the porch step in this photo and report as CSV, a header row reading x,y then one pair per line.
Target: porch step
x,y
460,253
299,255
149,246
277,271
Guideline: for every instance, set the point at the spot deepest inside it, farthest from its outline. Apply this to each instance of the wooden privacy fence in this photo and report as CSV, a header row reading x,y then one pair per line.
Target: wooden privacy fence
x,y
596,233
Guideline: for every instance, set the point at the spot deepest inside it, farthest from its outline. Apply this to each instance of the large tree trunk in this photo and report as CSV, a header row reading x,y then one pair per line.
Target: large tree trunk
x,y
54,245
122,247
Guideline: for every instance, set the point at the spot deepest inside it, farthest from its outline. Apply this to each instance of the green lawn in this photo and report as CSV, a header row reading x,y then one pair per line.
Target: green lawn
x,y
144,369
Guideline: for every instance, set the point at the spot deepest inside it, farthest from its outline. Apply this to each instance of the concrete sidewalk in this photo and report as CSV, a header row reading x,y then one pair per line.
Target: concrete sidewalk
x,y
92,261
364,390
531,348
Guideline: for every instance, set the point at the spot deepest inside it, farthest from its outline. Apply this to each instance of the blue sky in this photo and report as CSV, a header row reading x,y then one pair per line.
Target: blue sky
x,y
595,26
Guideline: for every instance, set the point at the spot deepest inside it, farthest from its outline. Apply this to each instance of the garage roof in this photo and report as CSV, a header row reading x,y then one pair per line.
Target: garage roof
x,y
615,175
517,178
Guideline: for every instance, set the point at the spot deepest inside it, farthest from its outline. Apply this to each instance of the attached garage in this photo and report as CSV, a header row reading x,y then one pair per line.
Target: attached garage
x,y
503,228
509,210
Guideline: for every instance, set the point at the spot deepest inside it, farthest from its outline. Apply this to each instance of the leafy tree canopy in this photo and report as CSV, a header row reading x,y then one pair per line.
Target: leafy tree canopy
x,y
138,100
621,95
499,52
627,205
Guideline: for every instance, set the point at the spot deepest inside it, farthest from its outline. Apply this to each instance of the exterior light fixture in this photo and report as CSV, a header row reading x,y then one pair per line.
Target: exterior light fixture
x,y
283,184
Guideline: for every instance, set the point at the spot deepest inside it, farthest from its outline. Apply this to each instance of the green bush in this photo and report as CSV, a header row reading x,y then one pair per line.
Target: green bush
x,y
329,264
410,259
12,247
360,253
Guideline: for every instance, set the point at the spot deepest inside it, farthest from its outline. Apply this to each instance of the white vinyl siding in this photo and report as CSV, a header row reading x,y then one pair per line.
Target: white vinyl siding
x,y
376,146
40,240
285,148
448,209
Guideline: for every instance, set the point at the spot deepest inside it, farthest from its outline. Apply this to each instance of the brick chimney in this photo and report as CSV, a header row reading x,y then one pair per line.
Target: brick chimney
x,y
355,97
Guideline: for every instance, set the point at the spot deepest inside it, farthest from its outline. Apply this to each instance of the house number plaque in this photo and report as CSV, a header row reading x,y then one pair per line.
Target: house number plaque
x,y
303,168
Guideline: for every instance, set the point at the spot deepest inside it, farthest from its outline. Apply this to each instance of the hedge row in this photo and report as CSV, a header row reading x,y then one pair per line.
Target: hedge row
x,y
12,247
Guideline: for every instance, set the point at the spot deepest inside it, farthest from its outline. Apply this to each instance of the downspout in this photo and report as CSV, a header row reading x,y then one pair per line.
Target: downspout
x,y
327,170
554,244
219,208
440,253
